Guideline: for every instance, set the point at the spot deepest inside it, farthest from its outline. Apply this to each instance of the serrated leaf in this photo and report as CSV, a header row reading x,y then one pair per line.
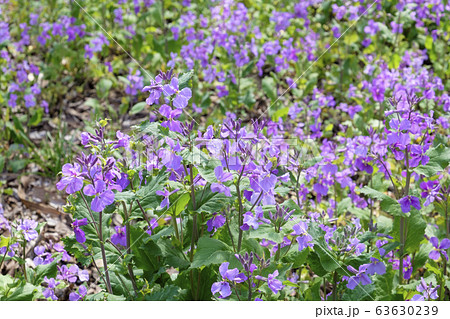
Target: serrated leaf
x,y
211,251
147,193
415,229
439,160
209,202
266,232
168,293
183,80
387,203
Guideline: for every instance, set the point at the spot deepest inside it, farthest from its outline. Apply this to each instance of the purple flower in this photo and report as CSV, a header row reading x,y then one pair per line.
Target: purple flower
x,y
42,257
102,196
165,202
303,238
250,221
82,291
155,90
430,191
168,156
362,163
60,248
72,180
376,267
12,102
29,100
428,292
11,252
171,115
49,292
371,28
181,97
407,266
396,28
222,287
70,274
408,201
153,225
229,274
274,284
356,245
439,249
217,221
320,189
359,278
123,140
120,237
79,233
28,228
418,156
221,178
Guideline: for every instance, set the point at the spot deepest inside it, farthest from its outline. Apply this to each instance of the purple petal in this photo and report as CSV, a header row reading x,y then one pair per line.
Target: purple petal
x,y
89,190
445,244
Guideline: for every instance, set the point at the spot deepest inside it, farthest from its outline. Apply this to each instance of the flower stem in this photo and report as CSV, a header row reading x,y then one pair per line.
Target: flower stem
x,y
128,234
335,286
401,251
102,247
241,210
24,245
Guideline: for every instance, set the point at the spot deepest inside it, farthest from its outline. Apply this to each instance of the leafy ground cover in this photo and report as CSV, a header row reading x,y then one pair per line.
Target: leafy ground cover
x,y
224,150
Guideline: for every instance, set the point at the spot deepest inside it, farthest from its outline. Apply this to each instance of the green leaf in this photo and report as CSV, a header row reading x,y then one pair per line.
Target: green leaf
x,y
183,80
4,241
415,229
24,292
138,107
207,171
387,204
384,286
266,232
428,43
179,204
211,251
168,293
42,271
439,160
316,265
147,193
145,251
394,63
280,113
269,87
173,255
210,202
297,258
103,87
328,259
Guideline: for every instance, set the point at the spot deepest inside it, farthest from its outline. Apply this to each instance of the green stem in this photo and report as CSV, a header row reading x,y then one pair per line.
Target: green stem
x,y
335,286
128,235
229,231
194,232
24,261
400,267
174,220
241,209
4,256
102,247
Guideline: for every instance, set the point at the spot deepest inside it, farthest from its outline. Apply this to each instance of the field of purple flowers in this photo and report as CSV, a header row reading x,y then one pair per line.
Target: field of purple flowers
x,y
224,150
